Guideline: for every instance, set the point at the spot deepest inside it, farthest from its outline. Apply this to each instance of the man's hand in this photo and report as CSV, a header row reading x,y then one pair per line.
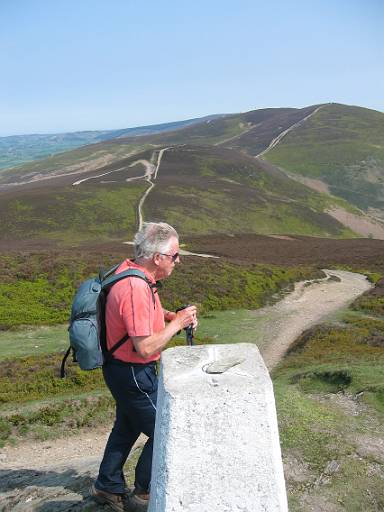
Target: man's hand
x,y
186,317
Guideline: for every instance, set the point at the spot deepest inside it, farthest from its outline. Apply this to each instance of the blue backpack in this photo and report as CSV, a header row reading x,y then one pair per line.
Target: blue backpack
x,y
87,330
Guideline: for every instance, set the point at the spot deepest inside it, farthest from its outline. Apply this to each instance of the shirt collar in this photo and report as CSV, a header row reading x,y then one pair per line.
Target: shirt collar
x,y
132,264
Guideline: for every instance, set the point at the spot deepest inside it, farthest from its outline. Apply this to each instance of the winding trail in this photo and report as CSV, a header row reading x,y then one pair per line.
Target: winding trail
x,y
149,170
78,182
281,135
151,176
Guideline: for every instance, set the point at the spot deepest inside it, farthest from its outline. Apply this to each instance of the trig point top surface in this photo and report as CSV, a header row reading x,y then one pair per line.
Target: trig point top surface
x,y
238,366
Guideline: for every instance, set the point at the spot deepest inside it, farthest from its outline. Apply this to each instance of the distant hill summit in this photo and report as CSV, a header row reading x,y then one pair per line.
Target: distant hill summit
x,y
313,171
343,147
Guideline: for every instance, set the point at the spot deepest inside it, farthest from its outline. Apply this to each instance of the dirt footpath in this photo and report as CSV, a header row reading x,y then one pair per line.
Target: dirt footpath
x,y
309,303
54,476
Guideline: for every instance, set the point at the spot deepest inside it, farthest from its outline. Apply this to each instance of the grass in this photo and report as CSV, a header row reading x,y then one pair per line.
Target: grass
x,y
73,215
330,394
58,418
369,304
230,326
33,341
37,377
312,423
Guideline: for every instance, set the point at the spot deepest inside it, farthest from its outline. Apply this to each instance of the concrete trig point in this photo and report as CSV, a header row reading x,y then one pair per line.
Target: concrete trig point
x,y
216,443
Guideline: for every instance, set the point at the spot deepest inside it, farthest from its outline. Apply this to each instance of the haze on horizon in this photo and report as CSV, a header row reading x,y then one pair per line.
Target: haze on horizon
x,y
94,66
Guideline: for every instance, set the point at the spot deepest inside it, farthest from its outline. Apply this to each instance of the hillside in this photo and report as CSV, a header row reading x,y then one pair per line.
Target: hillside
x,y
263,125
343,147
55,210
219,190
19,149
266,171
199,189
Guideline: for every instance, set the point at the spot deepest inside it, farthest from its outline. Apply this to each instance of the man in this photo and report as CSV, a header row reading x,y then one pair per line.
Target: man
x,y
134,306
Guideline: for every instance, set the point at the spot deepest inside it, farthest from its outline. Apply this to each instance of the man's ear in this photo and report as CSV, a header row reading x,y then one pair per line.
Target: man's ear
x,y
156,258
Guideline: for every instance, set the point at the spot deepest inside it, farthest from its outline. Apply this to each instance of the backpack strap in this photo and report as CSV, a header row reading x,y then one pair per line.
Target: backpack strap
x,y
110,280
108,353
103,274
62,367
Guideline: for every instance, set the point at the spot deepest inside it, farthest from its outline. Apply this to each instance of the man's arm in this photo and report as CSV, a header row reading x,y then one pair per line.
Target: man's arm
x,y
146,346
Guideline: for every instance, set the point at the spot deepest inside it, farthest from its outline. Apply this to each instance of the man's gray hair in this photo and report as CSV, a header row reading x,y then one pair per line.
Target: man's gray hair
x,y
153,237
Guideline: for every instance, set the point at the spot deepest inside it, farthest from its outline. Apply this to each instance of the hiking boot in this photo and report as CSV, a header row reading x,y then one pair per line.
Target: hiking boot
x,y
120,502
139,501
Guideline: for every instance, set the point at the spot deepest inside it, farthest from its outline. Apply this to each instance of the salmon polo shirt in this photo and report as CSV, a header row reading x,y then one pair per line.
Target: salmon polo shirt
x,y
132,308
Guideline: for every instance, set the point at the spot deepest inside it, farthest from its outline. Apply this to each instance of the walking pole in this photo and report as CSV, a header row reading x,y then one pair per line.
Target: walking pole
x,y
188,330
189,335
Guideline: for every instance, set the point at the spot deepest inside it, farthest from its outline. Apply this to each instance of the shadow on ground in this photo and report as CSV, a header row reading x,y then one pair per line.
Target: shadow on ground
x,y
46,491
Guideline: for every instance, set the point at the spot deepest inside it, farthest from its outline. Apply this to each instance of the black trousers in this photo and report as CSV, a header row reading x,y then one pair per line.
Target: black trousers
x,y
134,388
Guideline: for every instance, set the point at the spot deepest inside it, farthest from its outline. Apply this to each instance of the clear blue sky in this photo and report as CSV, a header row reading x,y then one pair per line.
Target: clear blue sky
x,y
96,64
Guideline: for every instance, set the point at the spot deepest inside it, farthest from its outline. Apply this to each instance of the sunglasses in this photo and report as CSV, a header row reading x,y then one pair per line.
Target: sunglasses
x,y
172,256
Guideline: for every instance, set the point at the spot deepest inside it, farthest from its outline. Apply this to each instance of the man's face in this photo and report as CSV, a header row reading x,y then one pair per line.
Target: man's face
x,y
166,262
